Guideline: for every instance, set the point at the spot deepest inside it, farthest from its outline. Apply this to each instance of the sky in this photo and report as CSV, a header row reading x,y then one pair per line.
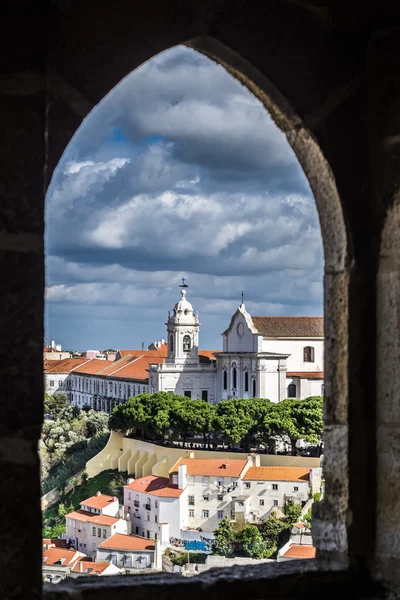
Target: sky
x,y
178,172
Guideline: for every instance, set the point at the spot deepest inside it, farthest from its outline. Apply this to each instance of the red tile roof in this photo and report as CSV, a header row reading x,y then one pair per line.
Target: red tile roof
x,y
133,367
96,568
155,486
53,555
214,467
94,366
98,501
277,474
119,541
88,517
300,551
275,327
63,366
306,374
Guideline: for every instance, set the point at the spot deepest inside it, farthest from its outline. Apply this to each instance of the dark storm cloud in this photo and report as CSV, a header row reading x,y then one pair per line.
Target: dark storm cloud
x,y
179,172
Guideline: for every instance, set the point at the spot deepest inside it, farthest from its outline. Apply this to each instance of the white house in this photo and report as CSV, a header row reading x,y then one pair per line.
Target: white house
x,y
96,520
58,562
84,568
57,372
129,552
151,501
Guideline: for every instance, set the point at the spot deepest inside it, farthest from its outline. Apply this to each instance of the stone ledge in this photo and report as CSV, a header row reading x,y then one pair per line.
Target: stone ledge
x,y
291,579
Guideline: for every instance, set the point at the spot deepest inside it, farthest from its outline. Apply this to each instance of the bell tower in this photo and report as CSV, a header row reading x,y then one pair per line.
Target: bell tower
x,y
183,331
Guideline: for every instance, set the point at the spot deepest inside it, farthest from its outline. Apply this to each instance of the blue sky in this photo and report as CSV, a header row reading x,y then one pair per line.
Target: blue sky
x,y
178,172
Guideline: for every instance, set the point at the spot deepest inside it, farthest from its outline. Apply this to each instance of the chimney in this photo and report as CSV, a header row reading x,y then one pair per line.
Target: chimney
x,y
190,453
98,493
254,458
182,477
130,479
80,566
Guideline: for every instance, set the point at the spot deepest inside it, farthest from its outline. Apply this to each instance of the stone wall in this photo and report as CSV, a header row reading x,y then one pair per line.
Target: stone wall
x,y
328,73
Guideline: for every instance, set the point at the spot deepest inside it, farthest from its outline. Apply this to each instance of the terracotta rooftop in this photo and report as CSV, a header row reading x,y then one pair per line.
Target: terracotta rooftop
x,y
300,551
98,501
94,366
119,541
277,474
63,366
57,542
155,486
306,374
133,367
90,568
86,516
213,467
288,327
53,555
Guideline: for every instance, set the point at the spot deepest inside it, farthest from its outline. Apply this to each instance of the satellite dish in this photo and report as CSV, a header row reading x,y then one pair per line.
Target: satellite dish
x,y
215,482
269,487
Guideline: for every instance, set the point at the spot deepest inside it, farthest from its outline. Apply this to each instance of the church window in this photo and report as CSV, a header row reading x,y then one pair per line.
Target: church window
x,y
225,380
308,354
234,377
188,394
204,395
186,343
246,382
292,390
171,343
254,388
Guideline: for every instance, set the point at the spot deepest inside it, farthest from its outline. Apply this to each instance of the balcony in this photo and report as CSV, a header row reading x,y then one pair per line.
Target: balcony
x,y
147,506
136,503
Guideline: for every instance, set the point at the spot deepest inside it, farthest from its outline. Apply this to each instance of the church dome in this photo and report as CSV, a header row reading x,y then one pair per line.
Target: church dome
x,y
183,311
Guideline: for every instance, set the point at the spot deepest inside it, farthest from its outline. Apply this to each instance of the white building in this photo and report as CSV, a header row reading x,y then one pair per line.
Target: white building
x,y
84,567
97,519
201,492
129,552
263,357
58,562
57,374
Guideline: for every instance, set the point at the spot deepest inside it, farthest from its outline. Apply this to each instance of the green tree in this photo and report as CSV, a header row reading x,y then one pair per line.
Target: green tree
x,y
205,414
292,513
131,416
64,510
253,544
234,419
96,422
271,529
184,417
223,538
306,519
55,404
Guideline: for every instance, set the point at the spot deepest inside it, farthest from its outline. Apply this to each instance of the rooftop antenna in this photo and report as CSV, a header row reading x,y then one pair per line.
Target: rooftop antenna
x,y
183,284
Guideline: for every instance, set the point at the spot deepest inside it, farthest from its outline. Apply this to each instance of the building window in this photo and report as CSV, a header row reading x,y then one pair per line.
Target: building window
x,y
254,388
296,488
220,482
190,479
129,496
94,530
51,383
156,503
104,534
246,381
174,479
98,532
148,534
274,486
191,512
186,343
261,502
188,394
205,480
247,485
308,354
234,378
191,500
275,502
220,497
292,390
155,519
204,395
171,343
148,517
220,514
205,514
205,498
60,382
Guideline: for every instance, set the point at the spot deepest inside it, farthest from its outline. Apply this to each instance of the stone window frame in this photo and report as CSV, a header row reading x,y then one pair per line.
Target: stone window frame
x,y
336,517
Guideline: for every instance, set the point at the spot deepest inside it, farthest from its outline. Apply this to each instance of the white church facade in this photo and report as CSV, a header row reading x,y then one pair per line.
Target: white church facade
x,y
262,357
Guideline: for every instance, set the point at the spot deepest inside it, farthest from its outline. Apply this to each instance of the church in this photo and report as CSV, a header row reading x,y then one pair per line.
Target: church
x,y
262,357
